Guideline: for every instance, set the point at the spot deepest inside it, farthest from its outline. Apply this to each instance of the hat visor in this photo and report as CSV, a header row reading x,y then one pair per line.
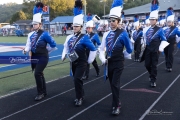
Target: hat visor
x,y
113,16
88,26
77,25
34,22
153,18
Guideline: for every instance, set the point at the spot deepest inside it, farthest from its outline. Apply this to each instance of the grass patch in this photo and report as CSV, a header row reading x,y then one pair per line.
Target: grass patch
x,y
21,81
15,39
3,65
25,80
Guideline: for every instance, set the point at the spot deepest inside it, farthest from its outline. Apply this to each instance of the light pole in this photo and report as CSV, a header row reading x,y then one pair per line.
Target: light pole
x,y
85,3
56,28
104,6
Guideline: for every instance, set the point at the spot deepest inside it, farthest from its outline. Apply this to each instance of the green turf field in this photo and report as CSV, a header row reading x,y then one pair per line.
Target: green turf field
x,y
15,39
11,84
2,65
21,81
25,80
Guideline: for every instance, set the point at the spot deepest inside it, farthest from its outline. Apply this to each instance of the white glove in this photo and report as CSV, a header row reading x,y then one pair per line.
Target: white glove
x,y
24,52
177,39
51,49
63,58
104,62
126,55
98,49
143,45
102,57
132,40
163,45
92,56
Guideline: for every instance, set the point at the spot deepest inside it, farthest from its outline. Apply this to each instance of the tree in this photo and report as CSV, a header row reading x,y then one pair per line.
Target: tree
x,y
7,11
22,15
65,7
59,7
15,17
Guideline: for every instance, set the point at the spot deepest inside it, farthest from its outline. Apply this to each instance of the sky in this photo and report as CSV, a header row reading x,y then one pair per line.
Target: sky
x,y
7,1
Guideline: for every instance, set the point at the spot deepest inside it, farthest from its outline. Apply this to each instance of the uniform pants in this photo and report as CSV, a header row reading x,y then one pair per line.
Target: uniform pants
x,y
137,49
168,51
78,69
114,73
151,61
39,76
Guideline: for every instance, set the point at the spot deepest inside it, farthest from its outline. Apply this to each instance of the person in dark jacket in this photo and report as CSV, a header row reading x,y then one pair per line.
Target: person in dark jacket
x,y
37,43
113,42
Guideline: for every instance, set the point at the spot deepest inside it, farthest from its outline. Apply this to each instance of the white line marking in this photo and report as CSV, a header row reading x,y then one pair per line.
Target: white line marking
x,y
107,96
157,100
110,94
46,100
55,56
71,90
31,87
7,65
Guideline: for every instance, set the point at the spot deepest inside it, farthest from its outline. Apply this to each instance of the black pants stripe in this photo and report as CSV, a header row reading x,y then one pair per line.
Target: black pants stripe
x,y
151,61
78,69
137,49
168,51
114,73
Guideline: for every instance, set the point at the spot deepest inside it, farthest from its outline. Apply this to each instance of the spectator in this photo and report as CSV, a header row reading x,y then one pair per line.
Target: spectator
x,y
65,30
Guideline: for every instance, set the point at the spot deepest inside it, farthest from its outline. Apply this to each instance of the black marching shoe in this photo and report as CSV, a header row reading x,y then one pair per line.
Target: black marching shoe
x,y
40,97
97,75
153,84
170,70
85,78
78,102
116,111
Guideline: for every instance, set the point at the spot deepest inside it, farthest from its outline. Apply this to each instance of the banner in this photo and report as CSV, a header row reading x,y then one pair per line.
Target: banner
x,y
46,20
46,10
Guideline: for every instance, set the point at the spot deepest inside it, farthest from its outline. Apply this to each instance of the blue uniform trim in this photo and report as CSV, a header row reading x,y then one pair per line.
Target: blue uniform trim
x,y
95,39
122,40
174,32
158,35
42,41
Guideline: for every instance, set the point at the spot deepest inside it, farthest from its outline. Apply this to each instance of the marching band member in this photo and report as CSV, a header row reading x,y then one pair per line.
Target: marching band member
x,y
178,38
122,24
170,32
36,43
155,43
147,22
146,27
137,36
75,49
162,21
178,23
113,43
95,40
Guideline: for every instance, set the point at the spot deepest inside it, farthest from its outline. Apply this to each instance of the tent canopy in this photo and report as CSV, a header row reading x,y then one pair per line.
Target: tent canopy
x,y
8,26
